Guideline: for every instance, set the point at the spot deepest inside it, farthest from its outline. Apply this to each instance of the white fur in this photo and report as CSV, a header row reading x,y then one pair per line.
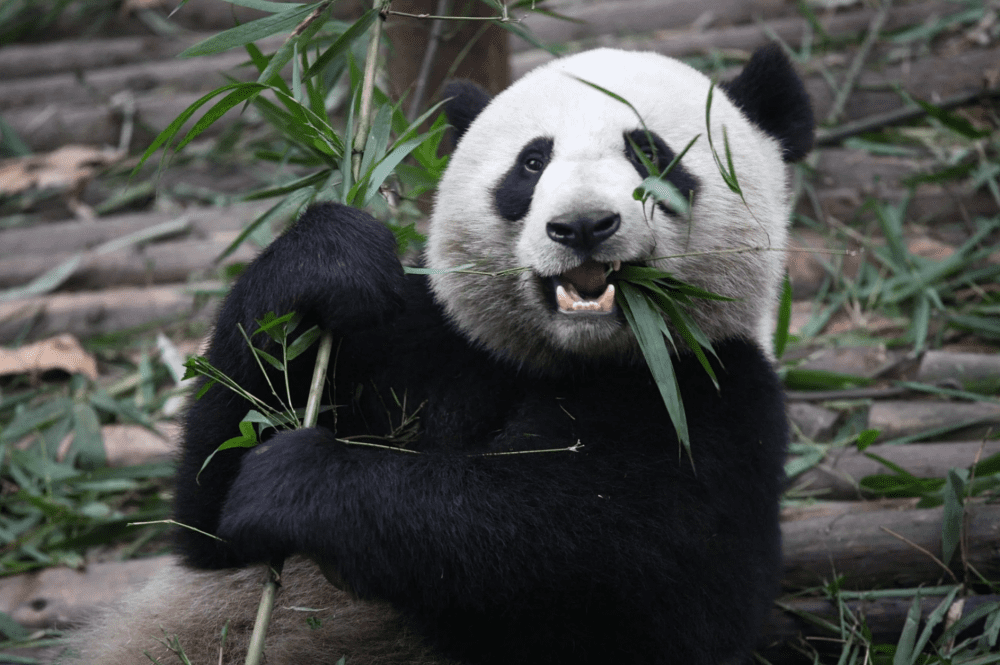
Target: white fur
x,y
589,169
194,606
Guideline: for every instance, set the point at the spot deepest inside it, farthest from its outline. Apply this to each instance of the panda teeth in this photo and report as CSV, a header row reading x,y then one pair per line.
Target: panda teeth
x,y
570,300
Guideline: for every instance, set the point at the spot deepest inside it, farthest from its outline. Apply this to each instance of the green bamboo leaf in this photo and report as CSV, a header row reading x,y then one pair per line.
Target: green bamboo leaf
x,y
253,31
867,438
30,420
265,5
174,127
378,139
246,439
933,620
273,326
684,325
284,190
290,205
343,43
88,444
48,281
781,332
386,166
645,323
245,92
920,323
954,511
269,359
288,50
302,343
905,654
665,191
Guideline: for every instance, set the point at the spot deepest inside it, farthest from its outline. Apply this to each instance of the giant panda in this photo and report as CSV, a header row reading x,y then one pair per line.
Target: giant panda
x,y
543,511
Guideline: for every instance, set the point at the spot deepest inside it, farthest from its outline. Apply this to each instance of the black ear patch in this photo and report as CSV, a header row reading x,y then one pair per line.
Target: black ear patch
x,y
465,100
771,95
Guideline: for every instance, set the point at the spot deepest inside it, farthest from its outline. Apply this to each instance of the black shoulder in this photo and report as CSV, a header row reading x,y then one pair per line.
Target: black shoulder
x,y
772,96
464,101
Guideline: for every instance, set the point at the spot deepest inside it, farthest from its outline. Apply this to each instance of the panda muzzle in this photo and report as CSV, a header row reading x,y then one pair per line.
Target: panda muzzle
x,y
585,289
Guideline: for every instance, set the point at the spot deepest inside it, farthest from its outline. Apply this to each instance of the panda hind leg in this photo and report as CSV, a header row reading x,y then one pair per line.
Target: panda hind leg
x,y
313,623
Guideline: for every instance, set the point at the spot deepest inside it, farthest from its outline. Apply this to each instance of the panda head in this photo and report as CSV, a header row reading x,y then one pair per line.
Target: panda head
x,y
538,198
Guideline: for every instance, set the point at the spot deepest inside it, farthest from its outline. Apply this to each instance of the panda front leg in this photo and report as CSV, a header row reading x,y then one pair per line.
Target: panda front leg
x,y
513,559
337,267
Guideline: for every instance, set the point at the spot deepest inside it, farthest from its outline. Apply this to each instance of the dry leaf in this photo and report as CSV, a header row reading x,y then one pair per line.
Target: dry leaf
x,y
68,168
63,352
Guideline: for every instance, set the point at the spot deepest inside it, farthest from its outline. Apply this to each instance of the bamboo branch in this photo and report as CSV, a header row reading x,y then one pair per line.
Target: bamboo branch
x,y
256,650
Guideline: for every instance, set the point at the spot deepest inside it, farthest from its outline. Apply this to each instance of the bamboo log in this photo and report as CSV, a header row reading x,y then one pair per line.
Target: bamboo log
x,y
837,476
631,17
86,314
884,616
746,38
858,547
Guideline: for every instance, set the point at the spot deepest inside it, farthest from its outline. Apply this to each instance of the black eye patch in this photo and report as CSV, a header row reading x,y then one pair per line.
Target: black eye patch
x,y
514,192
656,151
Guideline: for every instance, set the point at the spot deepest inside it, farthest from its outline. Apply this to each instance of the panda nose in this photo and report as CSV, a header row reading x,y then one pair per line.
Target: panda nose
x,y
583,231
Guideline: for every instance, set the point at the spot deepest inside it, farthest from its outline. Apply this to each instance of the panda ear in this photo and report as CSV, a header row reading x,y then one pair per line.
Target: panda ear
x,y
771,95
464,101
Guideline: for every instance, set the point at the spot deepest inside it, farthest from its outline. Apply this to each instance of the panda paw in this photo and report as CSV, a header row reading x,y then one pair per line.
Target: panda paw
x,y
336,265
273,499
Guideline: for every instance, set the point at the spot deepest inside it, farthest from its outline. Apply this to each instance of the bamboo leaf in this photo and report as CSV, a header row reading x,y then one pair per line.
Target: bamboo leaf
x,y
44,283
905,654
644,322
781,332
243,93
250,32
302,343
342,44
246,439
287,51
954,511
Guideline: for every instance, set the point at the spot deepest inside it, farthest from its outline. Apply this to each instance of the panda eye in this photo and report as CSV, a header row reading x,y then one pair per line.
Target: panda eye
x,y
533,165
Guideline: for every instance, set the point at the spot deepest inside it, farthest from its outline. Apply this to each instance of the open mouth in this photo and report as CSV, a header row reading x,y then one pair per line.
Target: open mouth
x,y
585,289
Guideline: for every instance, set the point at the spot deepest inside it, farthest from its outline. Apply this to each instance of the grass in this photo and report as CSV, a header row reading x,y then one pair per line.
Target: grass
x,y
54,511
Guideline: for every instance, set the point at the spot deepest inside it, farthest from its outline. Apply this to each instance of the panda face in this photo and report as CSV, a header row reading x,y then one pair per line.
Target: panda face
x,y
538,198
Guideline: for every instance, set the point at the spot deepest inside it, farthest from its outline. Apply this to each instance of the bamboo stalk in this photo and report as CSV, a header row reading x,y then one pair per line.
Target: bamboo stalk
x,y
256,650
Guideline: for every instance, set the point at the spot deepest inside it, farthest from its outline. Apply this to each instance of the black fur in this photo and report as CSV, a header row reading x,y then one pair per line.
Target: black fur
x,y
514,193
772,96
660,154
465,101
619,552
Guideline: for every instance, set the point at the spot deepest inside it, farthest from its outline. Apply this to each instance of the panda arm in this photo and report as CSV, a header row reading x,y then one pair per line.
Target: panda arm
x,y
450,530
336,266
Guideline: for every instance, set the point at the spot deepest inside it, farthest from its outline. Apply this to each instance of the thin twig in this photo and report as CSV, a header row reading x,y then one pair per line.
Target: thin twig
x,y
498,19
921,549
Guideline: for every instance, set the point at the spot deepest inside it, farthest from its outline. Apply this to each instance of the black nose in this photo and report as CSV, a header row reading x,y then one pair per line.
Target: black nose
x,y
583,231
